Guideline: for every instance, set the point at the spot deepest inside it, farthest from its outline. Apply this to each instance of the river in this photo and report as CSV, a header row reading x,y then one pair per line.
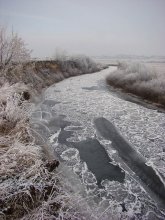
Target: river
x,y
115,147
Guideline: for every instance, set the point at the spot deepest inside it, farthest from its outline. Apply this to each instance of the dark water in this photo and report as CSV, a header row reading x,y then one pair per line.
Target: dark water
x,y
131,157
91,88
94,154
100,87
98,161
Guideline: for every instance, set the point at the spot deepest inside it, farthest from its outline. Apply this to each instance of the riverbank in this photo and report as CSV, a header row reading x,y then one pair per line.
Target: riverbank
x,y
41,74
31,184
141,81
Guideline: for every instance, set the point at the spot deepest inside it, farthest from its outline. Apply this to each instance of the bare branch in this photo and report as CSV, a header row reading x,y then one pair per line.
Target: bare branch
x,y
12,49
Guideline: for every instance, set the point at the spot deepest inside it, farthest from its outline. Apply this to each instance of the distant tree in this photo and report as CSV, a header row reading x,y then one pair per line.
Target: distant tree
x,y
12,49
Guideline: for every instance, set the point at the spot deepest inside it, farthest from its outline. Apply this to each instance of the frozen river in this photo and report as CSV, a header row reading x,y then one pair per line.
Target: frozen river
x,y
115,147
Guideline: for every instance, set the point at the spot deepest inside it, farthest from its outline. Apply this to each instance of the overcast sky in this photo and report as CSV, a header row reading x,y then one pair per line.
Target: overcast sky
x,y
92,27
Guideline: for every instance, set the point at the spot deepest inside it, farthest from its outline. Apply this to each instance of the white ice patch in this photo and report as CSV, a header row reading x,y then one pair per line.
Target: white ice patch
x,y
54,137
89,178
70,154
105,142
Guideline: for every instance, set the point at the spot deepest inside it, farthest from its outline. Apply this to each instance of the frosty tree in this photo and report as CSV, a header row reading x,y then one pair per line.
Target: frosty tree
x,y
12,49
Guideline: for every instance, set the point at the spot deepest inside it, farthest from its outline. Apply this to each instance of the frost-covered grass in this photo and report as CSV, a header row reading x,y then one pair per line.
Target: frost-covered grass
x,y
139,80
79,64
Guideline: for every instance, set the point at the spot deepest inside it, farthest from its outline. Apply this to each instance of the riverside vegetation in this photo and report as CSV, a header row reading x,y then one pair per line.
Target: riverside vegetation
x,y
31,186
140,80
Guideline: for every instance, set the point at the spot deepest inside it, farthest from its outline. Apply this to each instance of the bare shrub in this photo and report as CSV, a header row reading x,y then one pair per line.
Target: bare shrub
x,y
75,65
12,50
84,63
139,80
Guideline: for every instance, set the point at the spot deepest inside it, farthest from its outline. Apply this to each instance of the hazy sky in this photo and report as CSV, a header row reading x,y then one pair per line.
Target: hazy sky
x,y
92,27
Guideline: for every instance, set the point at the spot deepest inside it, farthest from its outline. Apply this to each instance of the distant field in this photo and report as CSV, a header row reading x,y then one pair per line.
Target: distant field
x,y
106,61
159,67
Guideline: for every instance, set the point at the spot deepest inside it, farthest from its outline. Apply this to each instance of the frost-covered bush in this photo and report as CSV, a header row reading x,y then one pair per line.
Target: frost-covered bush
x,y
76,65
84,63
139,80
13,50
